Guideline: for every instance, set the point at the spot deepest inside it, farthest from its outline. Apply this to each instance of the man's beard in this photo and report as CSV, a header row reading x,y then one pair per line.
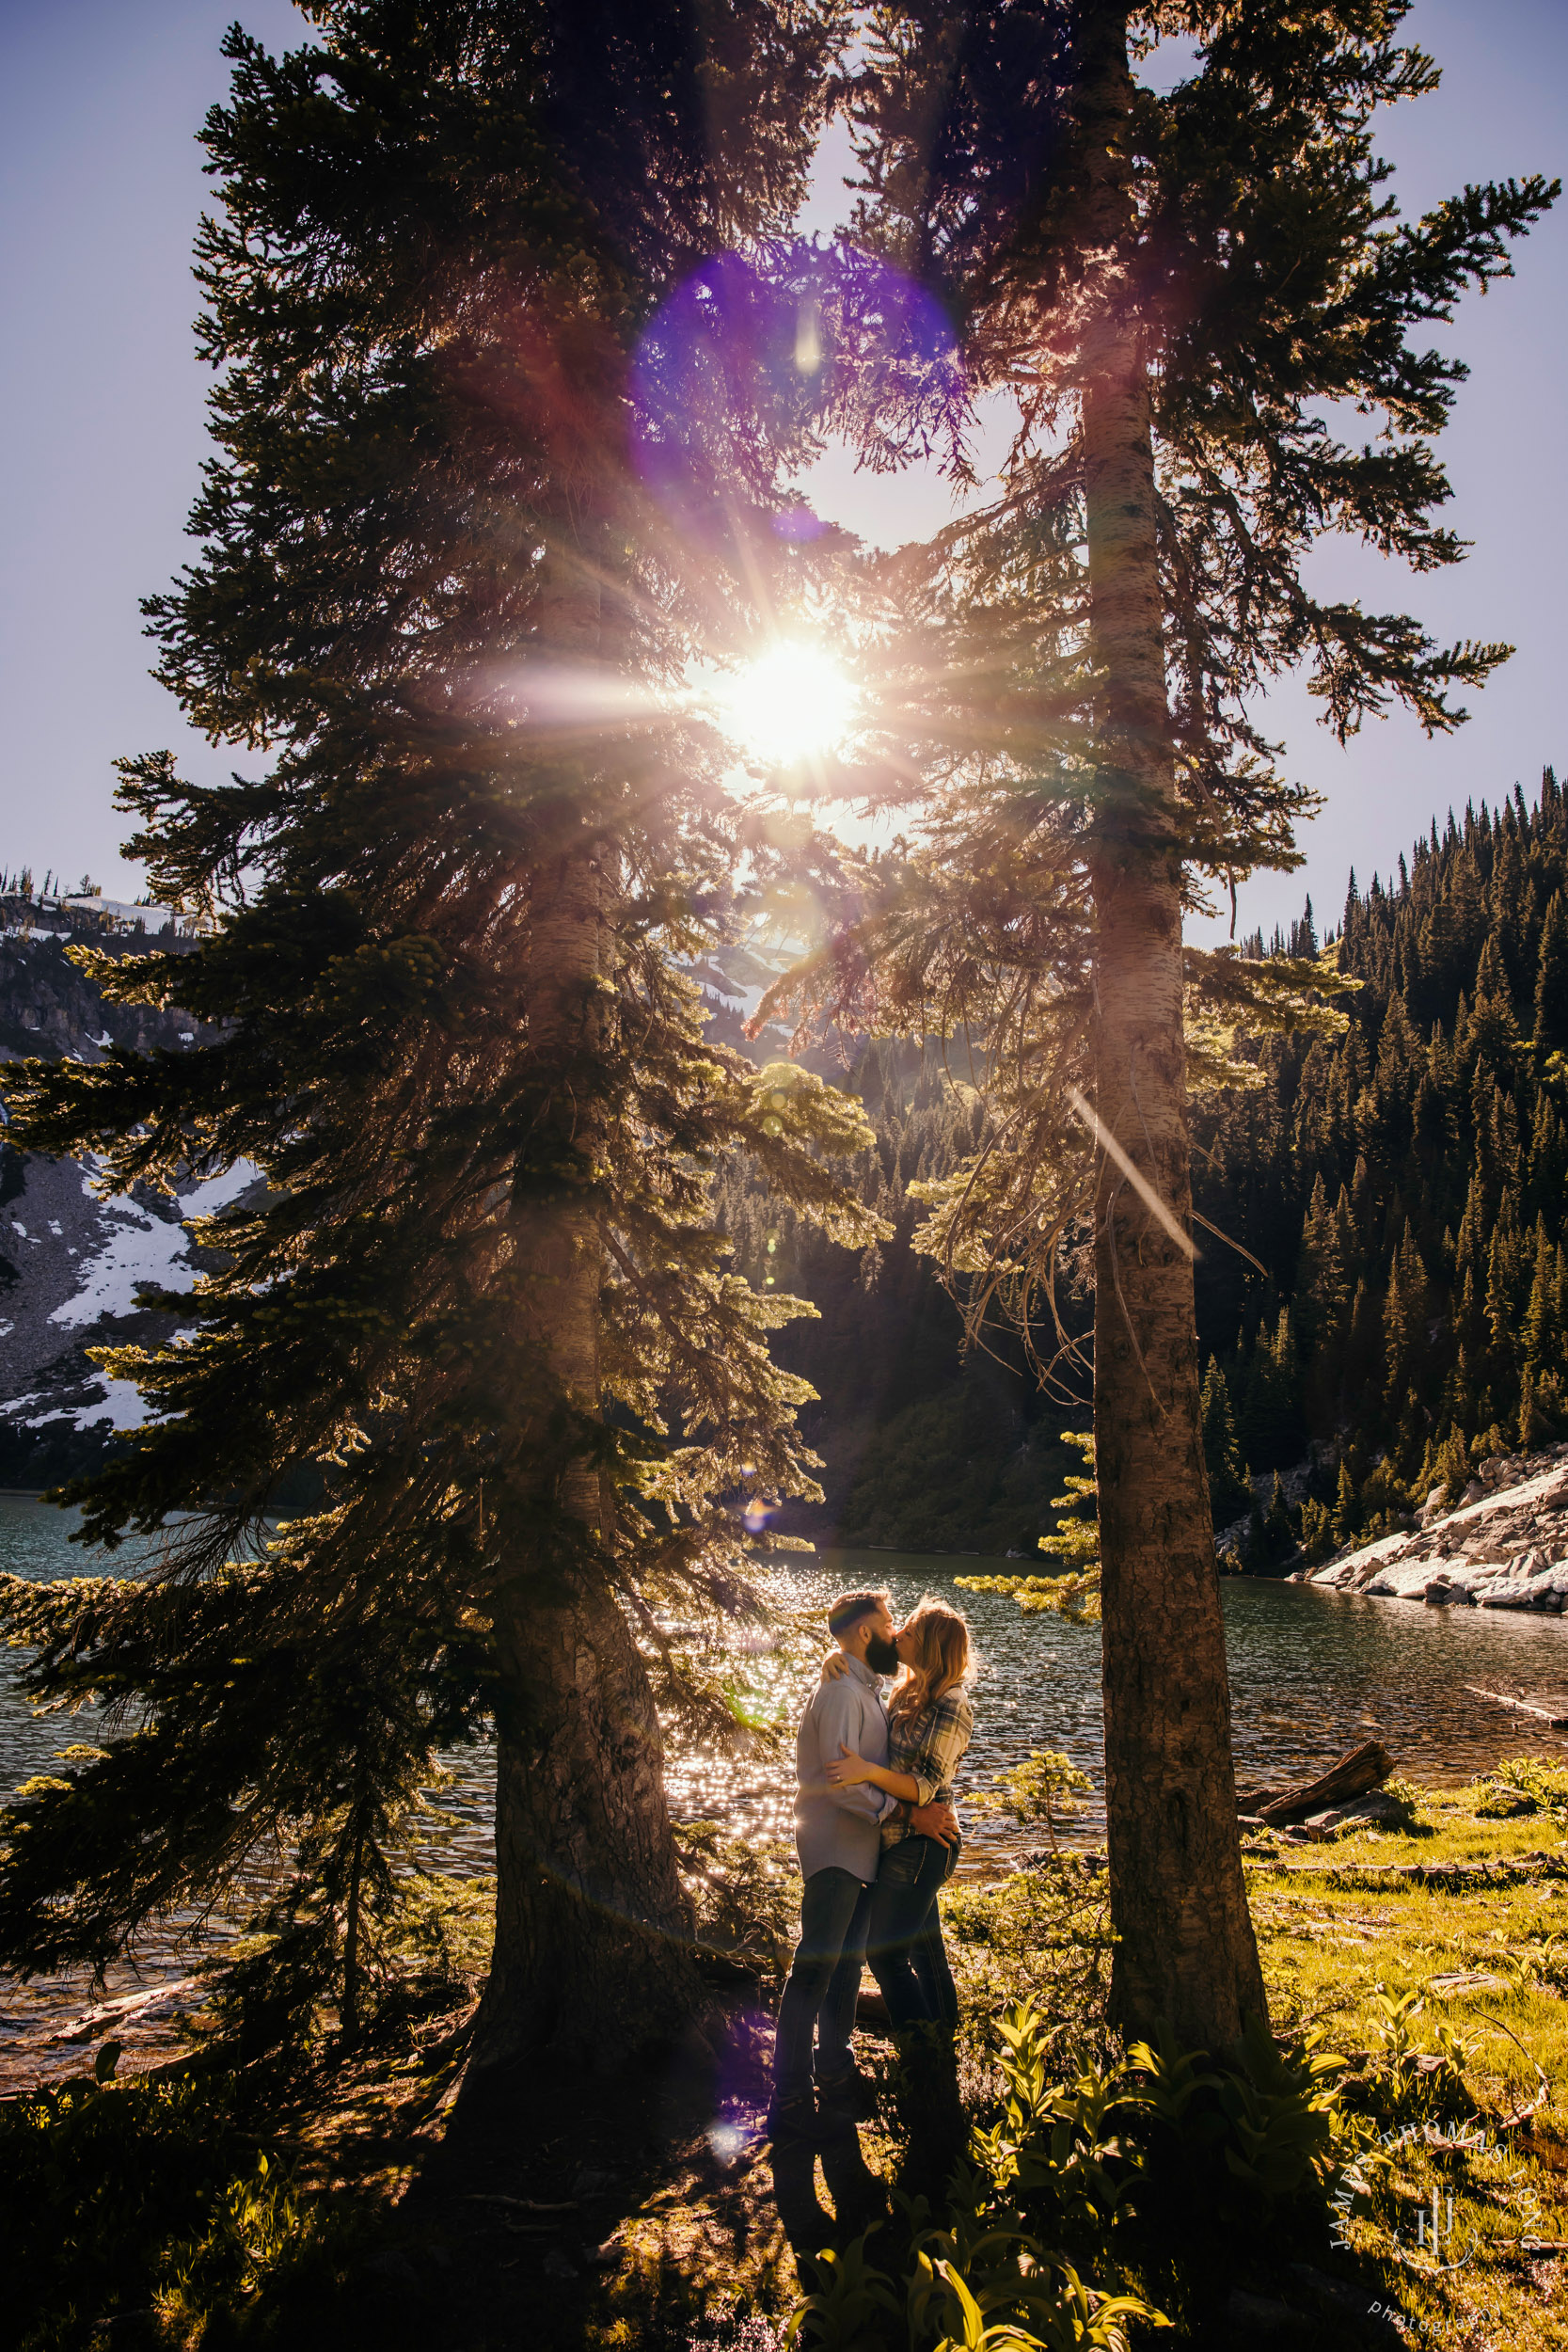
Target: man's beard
x,y
881,1655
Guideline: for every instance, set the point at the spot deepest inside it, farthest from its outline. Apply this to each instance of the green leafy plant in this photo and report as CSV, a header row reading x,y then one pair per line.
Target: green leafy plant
x,y
1409,1801
151,2196
1045,1927
1064,2314
1404,2083
1046,1787
1060,2156
1278,2107
1170,2080
1392,2015
1081,2188
975,2284
994,2277
848,2301
1522,1783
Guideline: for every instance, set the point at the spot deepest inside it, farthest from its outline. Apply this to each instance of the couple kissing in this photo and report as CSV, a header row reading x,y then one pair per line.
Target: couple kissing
x,y
877,1837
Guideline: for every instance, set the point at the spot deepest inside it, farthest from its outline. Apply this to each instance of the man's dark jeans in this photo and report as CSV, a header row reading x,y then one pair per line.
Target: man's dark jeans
x,y
824,1980
905,1947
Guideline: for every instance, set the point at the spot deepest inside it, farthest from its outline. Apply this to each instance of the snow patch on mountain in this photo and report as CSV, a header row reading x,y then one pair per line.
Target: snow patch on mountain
x,y
138,1248
143,1246
117,1404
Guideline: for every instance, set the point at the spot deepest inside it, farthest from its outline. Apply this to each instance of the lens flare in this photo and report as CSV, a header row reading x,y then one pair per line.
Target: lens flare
x,y
745,350
793,703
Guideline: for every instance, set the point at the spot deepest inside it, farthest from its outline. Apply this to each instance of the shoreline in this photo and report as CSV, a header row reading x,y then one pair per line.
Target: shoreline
x,y
1503,1545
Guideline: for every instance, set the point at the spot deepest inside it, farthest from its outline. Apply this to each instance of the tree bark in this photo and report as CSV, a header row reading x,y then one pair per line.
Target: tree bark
x,y
1185,1952
593,1944
349,2013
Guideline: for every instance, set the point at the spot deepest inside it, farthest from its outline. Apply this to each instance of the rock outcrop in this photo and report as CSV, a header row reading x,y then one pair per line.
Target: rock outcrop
x,y
1503,1545
70,1261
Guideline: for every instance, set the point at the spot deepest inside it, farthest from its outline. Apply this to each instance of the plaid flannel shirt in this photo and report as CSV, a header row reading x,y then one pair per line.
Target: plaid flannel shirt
x,y
931,1747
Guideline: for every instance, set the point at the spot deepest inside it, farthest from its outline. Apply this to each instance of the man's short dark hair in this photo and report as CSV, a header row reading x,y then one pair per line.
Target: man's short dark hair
x,y
849,1608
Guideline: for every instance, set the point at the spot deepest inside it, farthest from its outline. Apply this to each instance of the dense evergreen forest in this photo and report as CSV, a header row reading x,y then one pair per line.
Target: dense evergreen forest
x,y
1404,1188
1401,1189
925,1447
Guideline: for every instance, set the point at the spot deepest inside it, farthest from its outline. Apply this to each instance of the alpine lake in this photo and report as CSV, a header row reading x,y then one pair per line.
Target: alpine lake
x,y
1313,1673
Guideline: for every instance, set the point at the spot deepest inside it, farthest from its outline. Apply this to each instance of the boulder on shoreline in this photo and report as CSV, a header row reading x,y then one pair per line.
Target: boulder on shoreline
x,y
1502,1548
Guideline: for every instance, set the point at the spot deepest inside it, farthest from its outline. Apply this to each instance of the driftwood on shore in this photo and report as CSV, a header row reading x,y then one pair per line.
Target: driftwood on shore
x,y
1365,1768
1520,1706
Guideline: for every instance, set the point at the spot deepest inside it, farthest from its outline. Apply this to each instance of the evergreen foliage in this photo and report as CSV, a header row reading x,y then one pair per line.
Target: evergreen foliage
x,y
1076,1541
1230,1487
448,1022
1047,1787
1403,1184
1173,287
928,1444
1073,1591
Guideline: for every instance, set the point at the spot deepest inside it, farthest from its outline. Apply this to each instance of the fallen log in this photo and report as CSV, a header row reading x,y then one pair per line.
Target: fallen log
x,y
1365,1768
131,2008
1349,1878
1453,1878
1520,1706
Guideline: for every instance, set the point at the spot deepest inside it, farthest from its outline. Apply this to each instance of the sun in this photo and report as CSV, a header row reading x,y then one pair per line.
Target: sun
x,y
794,703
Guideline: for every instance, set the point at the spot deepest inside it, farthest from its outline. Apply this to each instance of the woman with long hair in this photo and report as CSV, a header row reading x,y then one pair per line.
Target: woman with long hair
x,y
930,1720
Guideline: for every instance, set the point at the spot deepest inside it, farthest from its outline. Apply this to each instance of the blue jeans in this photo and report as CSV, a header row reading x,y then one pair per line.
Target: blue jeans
x,y
908,1957
935,1975
824,1982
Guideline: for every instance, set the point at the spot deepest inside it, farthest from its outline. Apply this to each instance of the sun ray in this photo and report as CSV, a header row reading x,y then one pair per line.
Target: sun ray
x,y
792,704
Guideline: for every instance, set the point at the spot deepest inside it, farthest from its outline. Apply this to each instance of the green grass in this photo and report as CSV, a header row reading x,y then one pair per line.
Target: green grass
x,y
1352,1942
1338,1928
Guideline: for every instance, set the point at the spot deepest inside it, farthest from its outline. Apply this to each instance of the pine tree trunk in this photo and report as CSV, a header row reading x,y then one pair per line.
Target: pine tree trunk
x,y
1185,1950
349,2012
592,1958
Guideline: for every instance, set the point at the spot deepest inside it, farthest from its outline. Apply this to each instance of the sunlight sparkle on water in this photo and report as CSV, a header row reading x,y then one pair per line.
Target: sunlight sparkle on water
x,y
793,703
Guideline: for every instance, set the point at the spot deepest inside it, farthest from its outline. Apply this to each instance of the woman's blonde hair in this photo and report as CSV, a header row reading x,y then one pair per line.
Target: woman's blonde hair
x,y
941,1659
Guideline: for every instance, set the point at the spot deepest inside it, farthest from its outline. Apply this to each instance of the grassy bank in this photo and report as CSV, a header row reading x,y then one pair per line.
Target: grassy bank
x,y
324,2199
1449,1943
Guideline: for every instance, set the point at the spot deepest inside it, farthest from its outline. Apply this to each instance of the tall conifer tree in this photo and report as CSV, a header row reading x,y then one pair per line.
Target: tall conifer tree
x,y
483,1285
1222,1452
1171,286
1551,985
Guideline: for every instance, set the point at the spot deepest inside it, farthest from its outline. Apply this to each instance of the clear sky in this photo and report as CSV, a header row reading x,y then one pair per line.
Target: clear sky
x,y
101,428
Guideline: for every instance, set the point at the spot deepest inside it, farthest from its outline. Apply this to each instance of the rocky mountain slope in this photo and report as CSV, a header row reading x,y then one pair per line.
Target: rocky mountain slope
x,y
70,1261
1504,1545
